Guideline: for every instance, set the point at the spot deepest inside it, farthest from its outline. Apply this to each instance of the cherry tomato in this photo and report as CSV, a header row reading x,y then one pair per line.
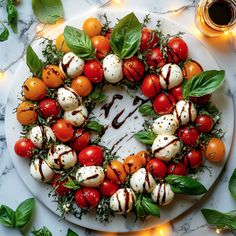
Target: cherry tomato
x,y
189,135
59,187
193,159
155,58
101,45
133,69
80,140
92,27
24,148
63,130
132,164
52,76
151,85
176,169
164,104
87,197
108,188
177,93
82,86
204,123
156,168
34,89
190,69
108,34
144,156
49,108
215,150
26,113
61,44
115,171
93,71
201,101
148,40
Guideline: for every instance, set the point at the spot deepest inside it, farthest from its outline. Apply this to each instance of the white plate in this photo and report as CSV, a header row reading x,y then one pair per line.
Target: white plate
x,y
181,203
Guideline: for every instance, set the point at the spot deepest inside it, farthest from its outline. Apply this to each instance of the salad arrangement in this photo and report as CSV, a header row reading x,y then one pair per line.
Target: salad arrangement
x,y
62,139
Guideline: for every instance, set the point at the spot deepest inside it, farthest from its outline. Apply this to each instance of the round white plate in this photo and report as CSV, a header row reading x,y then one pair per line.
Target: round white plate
x,y
181,203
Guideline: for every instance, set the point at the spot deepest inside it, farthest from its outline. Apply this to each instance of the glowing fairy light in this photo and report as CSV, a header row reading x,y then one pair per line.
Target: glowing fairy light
x,y
117,2
2,74
162,230
218,231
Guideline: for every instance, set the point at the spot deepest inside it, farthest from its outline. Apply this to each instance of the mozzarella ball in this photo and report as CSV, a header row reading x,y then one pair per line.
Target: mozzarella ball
x,y
61,157
162,194
90,176
170,76
165,147
77,117
166,124
185,112
40,135
72,65
40,171
112,67
142,181
122,201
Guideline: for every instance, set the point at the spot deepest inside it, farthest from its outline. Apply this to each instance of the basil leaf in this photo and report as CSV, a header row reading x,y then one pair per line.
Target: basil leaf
x,y
70,232
150,207
147,110
232,184
24,212
42,232
79,42
204,83
94,126
126,36
12,15
146,137
7,216
98,96
140,212
185,184
4,33
71,184
33,62
219,219
48,11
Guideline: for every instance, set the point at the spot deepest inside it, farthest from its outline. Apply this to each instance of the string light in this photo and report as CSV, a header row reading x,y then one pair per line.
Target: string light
x,y
218,231
117,2
162,230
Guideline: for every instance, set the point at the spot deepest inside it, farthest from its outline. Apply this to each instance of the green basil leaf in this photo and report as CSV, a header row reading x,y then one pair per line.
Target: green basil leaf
x,y
12,15
232,184
146,137
7,216
48,11
150,207
70,232
147,110
126,36
185,185
71,184
140,212
4,33
79,42
33,62
219,219
42,232
98,96
24,212
94,126
204,83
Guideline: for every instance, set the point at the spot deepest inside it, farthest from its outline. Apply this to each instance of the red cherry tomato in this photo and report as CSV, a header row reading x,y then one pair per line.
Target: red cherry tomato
x,y
193,159
49,108
108,34
133,69
80,140
151,85
91,156
101,45
177,93
93,71
163,104
148,40
154,58
59,187
24,148
189,135
63,130
108,188
204,123
87,197
201,101
156,168
176,169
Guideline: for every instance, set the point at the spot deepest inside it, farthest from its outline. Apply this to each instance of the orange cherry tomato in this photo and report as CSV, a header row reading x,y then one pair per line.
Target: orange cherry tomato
x,y
102,46
144,156
52,76
34,89
215,150
190,69
61,44
115,172
132,164
26,113
82,86
92,27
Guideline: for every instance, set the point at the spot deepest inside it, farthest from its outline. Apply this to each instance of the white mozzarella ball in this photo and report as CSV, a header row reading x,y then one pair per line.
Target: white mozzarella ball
x,y
40,171
122,201
165,147
112,67
72,65
162,194
40,135
90,176
185,112
142,181
77,117
170,76
61,157
166,124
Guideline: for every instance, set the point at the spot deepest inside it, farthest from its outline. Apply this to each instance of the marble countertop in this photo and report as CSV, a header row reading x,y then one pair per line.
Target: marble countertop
x,y
12,189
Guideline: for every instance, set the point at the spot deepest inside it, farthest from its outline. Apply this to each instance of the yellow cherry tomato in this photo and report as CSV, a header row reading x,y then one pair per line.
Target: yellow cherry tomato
x,y
132,164
82,86
92,27
190,69
61,44
215,150
26,113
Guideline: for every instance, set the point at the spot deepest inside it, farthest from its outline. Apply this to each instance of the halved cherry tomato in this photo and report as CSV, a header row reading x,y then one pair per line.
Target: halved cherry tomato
x,y
201,101
190,69
193,159
115,171
149,39
61,44
204,123
151,86
176,169
26,113
156,168
164,103
82,86
93,71
108,188
80,140
63,130
59,187
92,27
155,58
101,45
144,156
215,150
49,108
189,135
177,92
132,164
24,148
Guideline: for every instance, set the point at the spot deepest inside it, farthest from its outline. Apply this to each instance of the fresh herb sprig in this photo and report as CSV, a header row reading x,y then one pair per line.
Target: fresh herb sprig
x,y
104,211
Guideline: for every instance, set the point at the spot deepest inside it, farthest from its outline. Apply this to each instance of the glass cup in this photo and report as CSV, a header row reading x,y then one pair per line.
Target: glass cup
x,y
214,17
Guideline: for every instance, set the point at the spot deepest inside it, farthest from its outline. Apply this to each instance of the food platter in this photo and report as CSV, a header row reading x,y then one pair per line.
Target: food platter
x,y
134,123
